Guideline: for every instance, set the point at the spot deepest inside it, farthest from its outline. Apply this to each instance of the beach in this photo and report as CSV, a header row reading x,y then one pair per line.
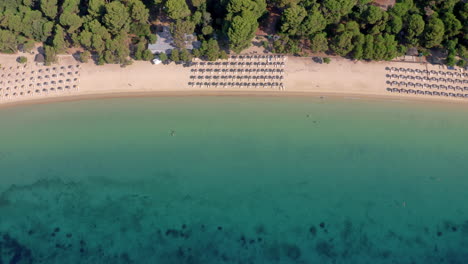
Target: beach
x,y
302,77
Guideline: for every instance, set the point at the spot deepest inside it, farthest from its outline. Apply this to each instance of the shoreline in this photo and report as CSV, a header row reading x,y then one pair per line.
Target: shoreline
x,y
341,78
218,93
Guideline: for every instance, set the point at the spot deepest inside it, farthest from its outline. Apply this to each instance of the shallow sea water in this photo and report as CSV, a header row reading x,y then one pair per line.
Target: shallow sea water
x,y
234,180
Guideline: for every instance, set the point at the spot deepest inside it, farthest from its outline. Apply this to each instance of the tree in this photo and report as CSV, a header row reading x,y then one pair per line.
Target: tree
x,y
395,25
152,38
223,55
97,43
96,8
434,33
333,10
180,29
241,31
241,22
185,55
85,39
237,7
461,63
147,55
138,11
59,41
415,28
391,46
196,53
177,9
319,42
85,56
70,6
368,47
372,14
28,45
401,8
453,26
210,49
292,19
197,3
451,61
207,30
313,23
47,28
162,57
71,20
49,8
8,42
327,60
116,18
175,55
22,59
50,55
139,49
343,42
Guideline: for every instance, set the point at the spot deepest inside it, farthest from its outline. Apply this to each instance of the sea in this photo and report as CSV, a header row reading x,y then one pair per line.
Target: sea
x,y
234,180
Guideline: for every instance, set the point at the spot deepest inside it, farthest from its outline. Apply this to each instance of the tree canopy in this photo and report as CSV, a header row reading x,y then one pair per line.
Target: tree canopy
x,y
113,31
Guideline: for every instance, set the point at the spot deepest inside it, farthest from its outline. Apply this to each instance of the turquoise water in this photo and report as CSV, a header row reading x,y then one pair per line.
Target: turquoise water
x,y
234,180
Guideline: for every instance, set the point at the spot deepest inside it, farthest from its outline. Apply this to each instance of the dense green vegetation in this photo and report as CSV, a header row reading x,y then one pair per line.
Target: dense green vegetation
x,y
357,29
113,31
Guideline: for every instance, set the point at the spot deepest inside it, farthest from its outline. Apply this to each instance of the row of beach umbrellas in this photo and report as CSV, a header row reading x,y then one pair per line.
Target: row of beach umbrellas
x,y
237,84
425,78
234,71
434,93
13,94
239,77
240,64
258,57
429,86
427,72
32,80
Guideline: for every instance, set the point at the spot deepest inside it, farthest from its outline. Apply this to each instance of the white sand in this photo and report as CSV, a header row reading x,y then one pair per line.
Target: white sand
x,y
302,77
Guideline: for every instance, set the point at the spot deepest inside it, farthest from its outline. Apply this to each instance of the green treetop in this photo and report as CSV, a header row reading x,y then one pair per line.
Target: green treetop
x,y
116,17
177,9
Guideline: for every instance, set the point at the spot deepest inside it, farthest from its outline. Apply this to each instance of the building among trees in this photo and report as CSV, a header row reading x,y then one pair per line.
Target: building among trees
x,y
165,42
39,59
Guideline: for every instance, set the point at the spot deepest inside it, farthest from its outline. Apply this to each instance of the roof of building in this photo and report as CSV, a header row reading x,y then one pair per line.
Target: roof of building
x,y
165,42
412,52
39,58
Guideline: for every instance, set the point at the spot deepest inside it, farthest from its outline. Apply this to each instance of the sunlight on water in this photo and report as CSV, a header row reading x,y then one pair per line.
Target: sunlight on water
x,y
233,180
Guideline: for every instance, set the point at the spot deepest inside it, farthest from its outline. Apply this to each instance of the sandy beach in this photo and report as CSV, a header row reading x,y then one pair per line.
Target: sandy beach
x,y
302,77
